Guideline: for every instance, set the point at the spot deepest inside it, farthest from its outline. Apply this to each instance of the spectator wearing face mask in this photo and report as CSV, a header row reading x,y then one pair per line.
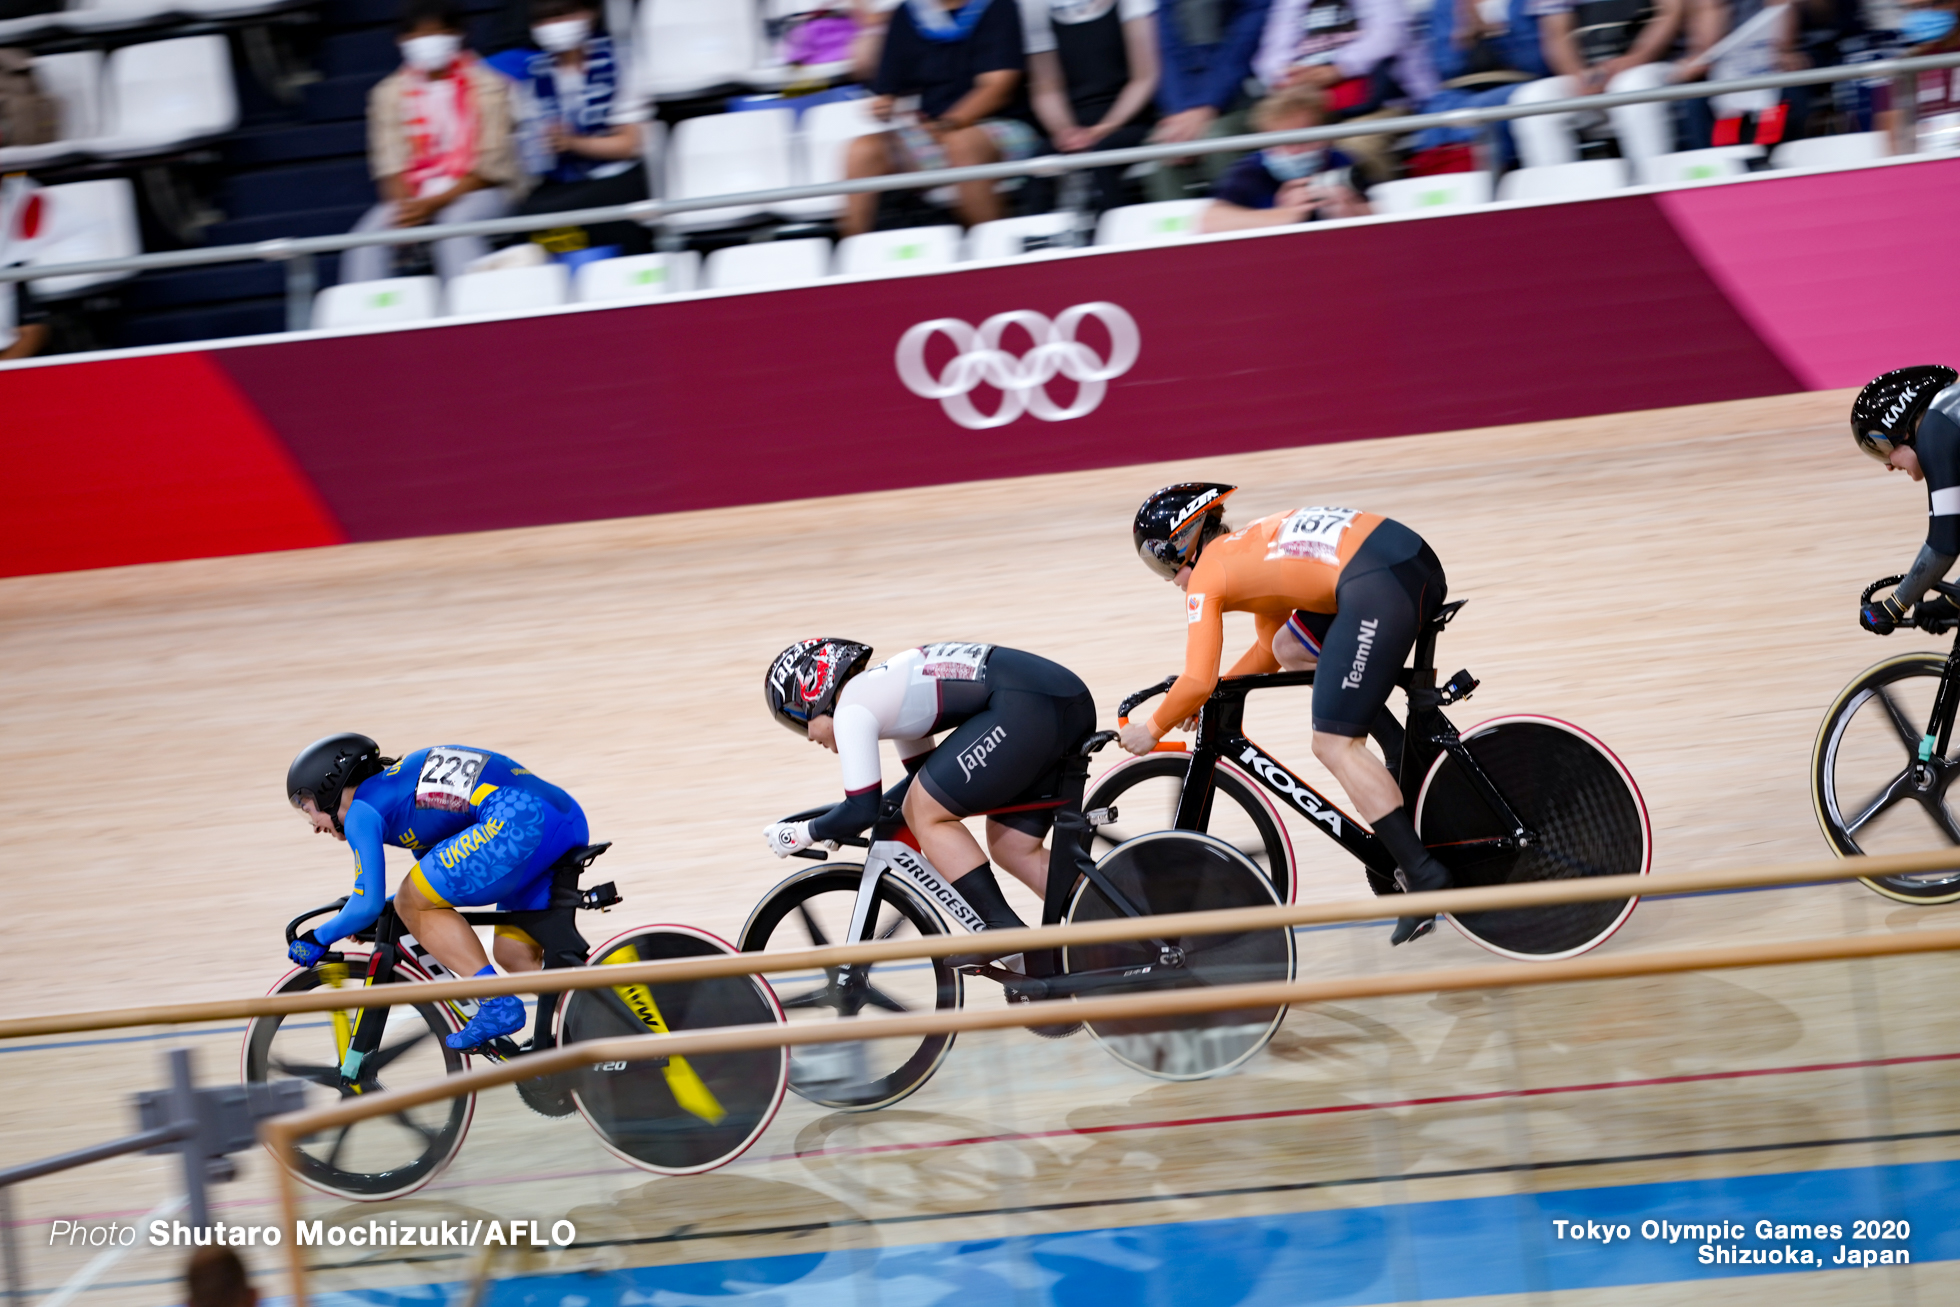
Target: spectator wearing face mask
x,y
1092,72
1285,184
578,127
439,143
1205,52
1357,51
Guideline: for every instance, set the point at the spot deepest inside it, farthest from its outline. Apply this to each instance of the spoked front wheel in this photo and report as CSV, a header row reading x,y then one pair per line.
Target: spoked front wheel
x,y
383,1156
677,1115
813,909
1144,793
1873,792
1583,808
1183,871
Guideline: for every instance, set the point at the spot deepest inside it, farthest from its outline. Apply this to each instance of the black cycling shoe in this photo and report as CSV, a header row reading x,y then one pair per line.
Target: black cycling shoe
x,y
982,892
1408,928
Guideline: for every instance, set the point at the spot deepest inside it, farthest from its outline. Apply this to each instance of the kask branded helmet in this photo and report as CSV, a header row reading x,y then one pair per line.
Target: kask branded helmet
x,y
804,680
1173,525
328,766
1887,411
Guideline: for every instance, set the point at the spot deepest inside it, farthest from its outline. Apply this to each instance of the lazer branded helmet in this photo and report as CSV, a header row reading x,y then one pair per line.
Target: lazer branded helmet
x,y
804,680
326,767
1887,412
1174,524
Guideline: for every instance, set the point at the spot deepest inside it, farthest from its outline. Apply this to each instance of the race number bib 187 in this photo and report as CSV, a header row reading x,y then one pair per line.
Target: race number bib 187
x,y
1313,533
955,662
449,778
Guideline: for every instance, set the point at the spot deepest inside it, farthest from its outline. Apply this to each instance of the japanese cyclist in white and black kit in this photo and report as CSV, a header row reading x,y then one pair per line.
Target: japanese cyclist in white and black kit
x,y
1013,717
1909,419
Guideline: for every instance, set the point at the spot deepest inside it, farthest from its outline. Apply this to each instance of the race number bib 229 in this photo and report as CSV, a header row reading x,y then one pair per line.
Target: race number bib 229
x,y
1312,533
449,778
954,662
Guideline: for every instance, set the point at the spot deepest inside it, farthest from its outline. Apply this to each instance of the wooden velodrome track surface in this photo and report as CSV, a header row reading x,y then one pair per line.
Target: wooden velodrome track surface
x,y
1681,583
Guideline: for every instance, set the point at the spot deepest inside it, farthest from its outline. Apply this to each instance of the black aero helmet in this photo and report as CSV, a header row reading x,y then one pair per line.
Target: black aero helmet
x,y
1174,524
804,680
326,767
1887,411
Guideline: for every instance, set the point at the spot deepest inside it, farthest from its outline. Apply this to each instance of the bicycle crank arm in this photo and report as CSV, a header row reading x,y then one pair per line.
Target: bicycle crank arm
x,y
1027,989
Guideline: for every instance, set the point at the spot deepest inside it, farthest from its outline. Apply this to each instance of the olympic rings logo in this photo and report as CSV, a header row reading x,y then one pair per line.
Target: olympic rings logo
x,y
1022,382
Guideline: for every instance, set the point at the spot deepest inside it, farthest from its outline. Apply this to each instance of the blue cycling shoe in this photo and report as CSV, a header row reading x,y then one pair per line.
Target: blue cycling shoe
x,y
497,1016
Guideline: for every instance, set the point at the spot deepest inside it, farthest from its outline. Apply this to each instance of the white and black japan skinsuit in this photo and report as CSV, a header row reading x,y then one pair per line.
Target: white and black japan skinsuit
x,y
1938,446
1013,717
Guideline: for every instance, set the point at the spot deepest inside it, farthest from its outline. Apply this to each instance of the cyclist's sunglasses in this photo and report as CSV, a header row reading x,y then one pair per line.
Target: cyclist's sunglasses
x,y
1167,557
1878,446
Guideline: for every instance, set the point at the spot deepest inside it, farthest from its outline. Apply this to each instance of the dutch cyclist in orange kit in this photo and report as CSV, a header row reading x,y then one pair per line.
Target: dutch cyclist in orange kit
x,y
1345,590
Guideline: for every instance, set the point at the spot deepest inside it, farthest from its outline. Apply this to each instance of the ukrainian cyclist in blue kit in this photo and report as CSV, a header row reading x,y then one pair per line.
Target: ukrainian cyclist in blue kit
x,y
483,831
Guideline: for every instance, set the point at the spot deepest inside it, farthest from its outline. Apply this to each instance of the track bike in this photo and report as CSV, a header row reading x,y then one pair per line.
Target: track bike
x,y
1884,760
895,893
675,1115
1519,798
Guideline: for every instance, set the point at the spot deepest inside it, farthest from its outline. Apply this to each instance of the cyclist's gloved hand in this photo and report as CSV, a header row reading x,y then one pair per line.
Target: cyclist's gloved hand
x,y
787,837
1937,615
307,950
1883,617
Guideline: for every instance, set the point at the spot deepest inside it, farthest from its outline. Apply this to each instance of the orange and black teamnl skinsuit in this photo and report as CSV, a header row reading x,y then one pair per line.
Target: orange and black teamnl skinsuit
x,y
1356,588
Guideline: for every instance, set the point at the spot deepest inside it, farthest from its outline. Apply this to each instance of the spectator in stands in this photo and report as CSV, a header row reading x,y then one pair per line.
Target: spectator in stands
x,y
439,143
964,64
1926,27
1092,71
23,325
1205,49
579,129
1358,51
1483,53
217,1278
1285,184
1728,39
1620,48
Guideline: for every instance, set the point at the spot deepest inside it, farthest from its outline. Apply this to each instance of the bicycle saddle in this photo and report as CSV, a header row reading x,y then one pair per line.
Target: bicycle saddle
x,y
1446,613
582,855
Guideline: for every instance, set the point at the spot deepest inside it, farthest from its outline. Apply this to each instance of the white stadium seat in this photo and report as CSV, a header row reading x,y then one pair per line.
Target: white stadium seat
x,y
637,277
1010,238
1685,166
823,135
723,153
109,15
1845,151
509,290
86,220
1438,192
167,93
768,263
909,249
1564,181
1151,224
685,47
386,303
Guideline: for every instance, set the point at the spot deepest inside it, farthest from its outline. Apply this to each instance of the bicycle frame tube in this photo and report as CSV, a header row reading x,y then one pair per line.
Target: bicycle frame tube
x,y
1939,731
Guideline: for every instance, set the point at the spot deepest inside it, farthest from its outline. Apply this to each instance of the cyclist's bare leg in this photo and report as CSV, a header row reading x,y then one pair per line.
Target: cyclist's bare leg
x,y
512,954
950,847
1292,653
1023,855
1369,787
442,931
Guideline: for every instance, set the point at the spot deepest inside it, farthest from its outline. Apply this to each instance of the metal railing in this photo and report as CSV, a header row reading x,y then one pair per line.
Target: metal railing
x,y
298,253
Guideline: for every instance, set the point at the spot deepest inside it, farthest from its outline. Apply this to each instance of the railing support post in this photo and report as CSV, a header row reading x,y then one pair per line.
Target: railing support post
x,y
301,282
10,1249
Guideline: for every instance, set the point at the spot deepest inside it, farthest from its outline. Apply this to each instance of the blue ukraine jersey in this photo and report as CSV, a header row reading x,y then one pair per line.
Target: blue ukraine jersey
x,y
482,828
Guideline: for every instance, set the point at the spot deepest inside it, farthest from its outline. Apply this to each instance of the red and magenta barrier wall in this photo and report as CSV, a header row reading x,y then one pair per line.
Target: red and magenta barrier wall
x,y
1376,329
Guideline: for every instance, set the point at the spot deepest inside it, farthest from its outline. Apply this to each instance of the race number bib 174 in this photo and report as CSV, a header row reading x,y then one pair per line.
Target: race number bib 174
x,y
449,778
955,662
1312,533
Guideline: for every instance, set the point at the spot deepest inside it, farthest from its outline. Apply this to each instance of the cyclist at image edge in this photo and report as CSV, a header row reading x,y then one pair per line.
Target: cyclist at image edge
x,y
1013,717
1324,585
1909,420
483,830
